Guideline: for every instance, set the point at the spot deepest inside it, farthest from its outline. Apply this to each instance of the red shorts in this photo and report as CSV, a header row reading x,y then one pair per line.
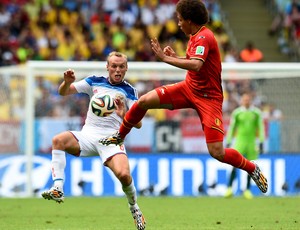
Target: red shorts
x,y
209,110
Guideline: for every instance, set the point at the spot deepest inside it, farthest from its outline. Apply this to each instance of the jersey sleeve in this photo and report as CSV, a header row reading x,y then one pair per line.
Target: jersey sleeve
x,y
200,44
199,50
83,86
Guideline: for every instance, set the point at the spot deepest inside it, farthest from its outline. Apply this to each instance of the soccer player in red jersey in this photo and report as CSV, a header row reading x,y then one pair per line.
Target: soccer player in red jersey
x,y
201,90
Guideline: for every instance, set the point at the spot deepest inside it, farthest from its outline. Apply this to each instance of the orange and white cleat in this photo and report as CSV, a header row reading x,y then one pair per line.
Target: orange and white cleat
x,y
55,194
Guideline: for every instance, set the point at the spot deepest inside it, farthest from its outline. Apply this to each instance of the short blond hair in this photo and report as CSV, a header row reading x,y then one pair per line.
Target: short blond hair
x,y
116,53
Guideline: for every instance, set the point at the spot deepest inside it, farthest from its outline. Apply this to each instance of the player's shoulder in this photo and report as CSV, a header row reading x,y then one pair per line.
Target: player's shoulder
x,y
127,85
256,110
93,79
238,110
129,89
205,33
204,36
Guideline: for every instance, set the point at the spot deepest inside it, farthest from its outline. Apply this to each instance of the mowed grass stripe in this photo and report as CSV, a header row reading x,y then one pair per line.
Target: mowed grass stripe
x,y
162,213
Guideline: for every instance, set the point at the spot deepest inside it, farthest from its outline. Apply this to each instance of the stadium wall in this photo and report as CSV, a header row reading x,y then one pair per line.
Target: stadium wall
x,y
166,136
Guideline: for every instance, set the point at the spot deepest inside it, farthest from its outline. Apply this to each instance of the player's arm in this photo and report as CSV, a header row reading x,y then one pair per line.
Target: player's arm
x,y
168,56
66,87
170,52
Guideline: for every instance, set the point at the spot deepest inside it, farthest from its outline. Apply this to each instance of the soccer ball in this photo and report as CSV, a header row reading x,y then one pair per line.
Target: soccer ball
x,y
102,105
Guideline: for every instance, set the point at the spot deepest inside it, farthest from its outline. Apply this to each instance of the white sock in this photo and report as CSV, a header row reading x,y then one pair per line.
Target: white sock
x,y
58,165
130,192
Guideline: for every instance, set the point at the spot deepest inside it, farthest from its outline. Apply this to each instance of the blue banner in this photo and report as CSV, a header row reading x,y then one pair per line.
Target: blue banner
x,y
154,174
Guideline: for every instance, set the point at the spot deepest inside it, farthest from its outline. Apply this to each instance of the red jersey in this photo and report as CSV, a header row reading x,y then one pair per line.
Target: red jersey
x,y
207,81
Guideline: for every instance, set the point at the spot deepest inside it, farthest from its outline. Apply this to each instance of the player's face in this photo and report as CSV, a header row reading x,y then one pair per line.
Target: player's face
x,y
184,25
246,101
116,67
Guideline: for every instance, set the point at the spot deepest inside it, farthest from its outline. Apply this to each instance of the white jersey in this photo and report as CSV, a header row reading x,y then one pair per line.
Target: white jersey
x,y
100,84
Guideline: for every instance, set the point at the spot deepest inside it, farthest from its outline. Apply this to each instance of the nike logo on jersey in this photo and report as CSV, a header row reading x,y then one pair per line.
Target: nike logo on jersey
x,y
162,91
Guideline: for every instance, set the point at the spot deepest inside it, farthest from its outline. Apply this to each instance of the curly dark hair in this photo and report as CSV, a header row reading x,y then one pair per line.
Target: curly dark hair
x,y
193,10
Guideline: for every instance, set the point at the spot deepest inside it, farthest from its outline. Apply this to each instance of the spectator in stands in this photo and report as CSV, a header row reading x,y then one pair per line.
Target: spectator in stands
x,y
148,13
271,112
48,21
66,48
154,30
136,34
44,106
133,7
292,20
230,53
123,14
278,20
5,16
109,6
222,38
250,53
165,10
286,26
214,11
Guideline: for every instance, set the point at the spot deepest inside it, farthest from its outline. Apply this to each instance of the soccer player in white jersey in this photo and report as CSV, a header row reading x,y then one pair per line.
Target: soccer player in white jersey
x,y
85,142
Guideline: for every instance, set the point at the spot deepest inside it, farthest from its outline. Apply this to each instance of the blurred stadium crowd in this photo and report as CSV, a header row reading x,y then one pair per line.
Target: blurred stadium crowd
x,y
86,30
286,26
89,30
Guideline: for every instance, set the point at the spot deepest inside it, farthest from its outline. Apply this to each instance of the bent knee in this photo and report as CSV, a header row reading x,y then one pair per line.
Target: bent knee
x,y
149,101
124,178
142,102
57,141
216,151
63,141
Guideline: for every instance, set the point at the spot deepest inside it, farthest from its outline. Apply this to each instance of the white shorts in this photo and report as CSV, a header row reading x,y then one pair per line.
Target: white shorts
x,y
89,144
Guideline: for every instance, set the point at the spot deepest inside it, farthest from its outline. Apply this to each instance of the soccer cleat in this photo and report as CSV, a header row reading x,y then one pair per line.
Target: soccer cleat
x,y
229,193
248,194
139,219
114,139
54,194
259,179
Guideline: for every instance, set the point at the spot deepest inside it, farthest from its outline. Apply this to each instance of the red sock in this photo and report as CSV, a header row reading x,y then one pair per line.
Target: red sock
x,y
237,160
132,117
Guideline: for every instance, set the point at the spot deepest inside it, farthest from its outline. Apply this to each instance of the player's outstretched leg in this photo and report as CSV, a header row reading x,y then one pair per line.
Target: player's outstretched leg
x,y
138,217
259,179
54,193
114,139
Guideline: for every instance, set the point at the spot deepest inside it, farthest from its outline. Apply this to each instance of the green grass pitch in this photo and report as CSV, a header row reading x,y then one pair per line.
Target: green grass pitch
x,y
162,213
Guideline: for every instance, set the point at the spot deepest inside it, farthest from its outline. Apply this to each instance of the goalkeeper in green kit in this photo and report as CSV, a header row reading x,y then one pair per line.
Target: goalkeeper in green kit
x,y
246,126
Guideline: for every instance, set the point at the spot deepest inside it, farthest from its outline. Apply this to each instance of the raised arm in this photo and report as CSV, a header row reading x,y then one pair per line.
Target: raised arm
x,y
66,87
168,56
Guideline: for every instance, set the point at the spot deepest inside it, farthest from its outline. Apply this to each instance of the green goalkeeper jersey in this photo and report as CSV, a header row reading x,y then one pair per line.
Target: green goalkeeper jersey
x,y
246,125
